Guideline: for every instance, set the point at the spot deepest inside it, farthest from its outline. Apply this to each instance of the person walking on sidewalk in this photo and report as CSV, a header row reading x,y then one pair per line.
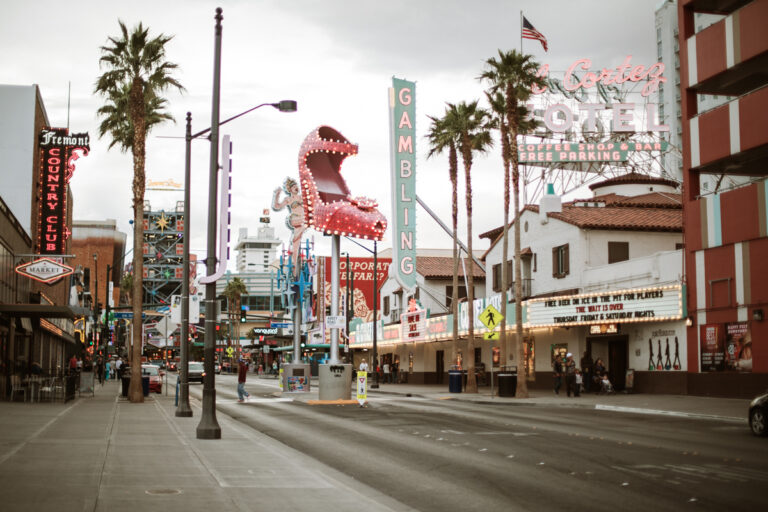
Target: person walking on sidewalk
x,y
570,375
242,371
558,373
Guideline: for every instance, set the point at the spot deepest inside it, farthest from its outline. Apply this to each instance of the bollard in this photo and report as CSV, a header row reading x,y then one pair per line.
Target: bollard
x,y
176,403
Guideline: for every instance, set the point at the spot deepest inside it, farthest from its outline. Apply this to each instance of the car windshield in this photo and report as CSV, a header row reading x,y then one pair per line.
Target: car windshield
x,y
198,367
149,370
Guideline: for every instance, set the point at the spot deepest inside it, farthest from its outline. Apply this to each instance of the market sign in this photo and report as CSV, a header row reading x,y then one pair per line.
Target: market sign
x,y
402,121
57,160
585,152
636,305
44,270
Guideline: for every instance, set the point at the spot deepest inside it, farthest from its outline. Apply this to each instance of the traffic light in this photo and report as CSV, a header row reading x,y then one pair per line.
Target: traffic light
x,y
243,315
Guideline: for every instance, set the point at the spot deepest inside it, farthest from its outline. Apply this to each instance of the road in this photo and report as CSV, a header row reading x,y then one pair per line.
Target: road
x,y
453,455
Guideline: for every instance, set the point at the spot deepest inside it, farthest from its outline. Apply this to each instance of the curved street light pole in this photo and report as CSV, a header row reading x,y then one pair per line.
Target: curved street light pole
x,y
208,428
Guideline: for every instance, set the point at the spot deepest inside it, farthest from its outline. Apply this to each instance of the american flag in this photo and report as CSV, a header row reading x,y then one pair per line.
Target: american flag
x,y
529,32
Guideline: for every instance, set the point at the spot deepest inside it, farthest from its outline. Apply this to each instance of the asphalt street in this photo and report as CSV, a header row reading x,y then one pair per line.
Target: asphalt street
x,y
449,455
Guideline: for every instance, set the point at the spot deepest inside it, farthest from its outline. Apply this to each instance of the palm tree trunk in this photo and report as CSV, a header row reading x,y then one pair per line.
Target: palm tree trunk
x,y
505,248
453,163
135,392
471,382
522,383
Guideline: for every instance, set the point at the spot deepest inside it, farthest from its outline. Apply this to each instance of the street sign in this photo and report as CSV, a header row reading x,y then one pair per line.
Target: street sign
x,y
491,317
281,325
335,322
362,385
44,270
126,315
491,335
230,351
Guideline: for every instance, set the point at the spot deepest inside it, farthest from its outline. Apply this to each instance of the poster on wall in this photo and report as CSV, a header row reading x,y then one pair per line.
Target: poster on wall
x,y
712,348
738,347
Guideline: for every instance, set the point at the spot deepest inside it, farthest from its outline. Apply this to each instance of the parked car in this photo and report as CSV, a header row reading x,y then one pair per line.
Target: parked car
x,y
758,415
155,380
195,372
172,366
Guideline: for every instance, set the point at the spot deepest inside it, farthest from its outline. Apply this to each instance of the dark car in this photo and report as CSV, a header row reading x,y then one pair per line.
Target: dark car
x,y
758,415
155,380
172,366
195,372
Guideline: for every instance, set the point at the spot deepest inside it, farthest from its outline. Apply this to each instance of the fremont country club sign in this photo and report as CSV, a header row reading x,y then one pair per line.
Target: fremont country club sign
x,y
636,305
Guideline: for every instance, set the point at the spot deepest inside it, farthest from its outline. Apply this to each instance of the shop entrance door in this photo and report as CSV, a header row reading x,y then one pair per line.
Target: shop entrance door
x,y
439,366
618,348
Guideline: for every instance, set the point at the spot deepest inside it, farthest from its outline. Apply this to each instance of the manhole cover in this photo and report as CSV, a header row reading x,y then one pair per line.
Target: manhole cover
x,y
163,491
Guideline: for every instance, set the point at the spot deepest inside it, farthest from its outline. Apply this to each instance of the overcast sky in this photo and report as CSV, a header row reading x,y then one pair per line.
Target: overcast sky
x,y
336,58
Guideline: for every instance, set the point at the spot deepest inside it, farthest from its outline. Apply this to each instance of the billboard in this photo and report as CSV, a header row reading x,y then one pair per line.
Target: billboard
x,y
361,280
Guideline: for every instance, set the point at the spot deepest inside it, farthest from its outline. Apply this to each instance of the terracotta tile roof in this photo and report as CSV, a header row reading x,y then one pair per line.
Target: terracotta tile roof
x,y
629,218
649,200
636,178
438,267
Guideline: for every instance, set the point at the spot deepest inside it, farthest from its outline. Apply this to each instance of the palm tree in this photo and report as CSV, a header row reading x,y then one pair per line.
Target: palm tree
x,y
136,74
472,127
234,290
512,76
442,138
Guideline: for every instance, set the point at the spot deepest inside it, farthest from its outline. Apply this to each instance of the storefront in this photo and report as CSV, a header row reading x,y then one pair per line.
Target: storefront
x,y
639,334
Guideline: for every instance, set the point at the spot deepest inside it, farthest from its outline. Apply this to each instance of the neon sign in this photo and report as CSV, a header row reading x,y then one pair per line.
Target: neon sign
x,y
623,73
44,270
402,116
57,160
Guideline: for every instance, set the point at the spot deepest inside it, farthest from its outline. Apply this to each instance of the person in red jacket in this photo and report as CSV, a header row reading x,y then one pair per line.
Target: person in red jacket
x,y
242,370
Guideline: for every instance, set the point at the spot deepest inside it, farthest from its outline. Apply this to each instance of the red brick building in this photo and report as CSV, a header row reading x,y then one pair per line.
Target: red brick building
x,y
726,237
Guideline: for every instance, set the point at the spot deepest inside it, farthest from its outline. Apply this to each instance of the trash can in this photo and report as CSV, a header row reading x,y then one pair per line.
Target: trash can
x,y
126,380
145,384
507,384
454,381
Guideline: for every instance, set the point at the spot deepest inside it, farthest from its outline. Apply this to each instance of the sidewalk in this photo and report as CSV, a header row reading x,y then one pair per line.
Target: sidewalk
x,y
729,409
104,453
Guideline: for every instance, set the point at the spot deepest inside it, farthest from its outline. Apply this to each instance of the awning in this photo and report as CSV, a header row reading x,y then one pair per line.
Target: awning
x,y
37,311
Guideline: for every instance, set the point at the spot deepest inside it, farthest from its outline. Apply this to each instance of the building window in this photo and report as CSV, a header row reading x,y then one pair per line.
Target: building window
x,y
449,295
497,275
386,305
560,261
618,251
534,262
679,246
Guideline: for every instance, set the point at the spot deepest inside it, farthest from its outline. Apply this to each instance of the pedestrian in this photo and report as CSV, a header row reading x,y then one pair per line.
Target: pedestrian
x,y
597,372
119,367
108,368
570,375
73,364
274,367
242,370
586,371
558,373
363,366
385,369
395,372
579,382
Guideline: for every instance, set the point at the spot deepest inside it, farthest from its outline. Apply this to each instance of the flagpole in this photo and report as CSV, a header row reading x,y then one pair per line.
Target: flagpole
x,y
521,31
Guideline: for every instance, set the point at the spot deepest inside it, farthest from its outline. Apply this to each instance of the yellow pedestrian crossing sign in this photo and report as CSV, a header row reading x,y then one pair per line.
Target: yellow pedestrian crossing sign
x,y
491,317
230,351
491,335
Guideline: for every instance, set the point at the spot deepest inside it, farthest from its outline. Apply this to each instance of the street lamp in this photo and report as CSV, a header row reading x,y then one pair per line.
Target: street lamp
x,y
208,428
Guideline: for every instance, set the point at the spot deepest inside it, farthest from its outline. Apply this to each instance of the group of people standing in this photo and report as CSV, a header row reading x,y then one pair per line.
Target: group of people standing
x,y
387,372
579,379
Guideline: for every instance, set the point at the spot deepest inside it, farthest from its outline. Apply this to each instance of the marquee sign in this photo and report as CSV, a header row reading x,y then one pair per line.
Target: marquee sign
x,y
585,152
402,118
44,270
57,160
636,305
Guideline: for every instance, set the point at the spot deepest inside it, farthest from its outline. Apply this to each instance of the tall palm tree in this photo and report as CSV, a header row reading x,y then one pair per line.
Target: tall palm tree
x,y
442,138
471,124
136,74
513,75
234,291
